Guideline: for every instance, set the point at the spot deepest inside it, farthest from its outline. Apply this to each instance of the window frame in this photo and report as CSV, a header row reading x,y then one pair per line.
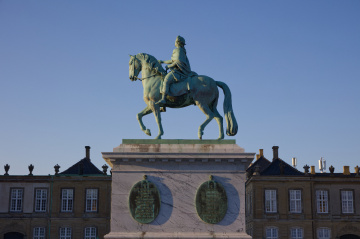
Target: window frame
x,y
46,200
97,201
39,236
11,200
65,236
297,228
90,237
270,200
272,228
301,201
327,201
61,200
352,200
323,228
249,203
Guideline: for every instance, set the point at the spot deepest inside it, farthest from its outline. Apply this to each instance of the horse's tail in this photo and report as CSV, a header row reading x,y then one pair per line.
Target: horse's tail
x,y
231,124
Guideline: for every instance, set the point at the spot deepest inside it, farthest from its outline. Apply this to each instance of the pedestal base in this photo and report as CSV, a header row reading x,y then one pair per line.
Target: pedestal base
x,y
178,168
177,235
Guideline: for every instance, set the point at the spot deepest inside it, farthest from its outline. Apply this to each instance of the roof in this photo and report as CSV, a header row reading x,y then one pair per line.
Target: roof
x,y
275,169
84,166
262,162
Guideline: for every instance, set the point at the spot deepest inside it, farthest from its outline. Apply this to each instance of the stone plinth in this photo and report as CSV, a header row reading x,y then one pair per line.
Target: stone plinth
x,y
178,168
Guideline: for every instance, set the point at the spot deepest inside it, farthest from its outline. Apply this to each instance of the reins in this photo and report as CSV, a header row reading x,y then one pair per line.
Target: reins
x,y
139,78
144,78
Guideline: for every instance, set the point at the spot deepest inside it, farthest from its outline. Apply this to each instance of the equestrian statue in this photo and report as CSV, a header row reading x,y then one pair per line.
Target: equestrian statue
x,y
178,88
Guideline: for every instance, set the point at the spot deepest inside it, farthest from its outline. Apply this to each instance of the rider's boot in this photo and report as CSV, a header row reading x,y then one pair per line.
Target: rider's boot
x,y
162,101
163,98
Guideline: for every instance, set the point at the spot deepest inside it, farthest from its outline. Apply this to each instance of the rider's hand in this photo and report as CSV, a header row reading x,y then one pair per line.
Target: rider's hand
x,y
160,61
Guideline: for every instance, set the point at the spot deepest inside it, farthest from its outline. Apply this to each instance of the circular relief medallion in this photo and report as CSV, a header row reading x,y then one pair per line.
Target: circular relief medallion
x,y
211,202
144,201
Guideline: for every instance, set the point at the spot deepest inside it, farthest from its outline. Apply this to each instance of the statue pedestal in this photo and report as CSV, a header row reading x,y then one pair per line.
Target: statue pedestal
x,y
178,168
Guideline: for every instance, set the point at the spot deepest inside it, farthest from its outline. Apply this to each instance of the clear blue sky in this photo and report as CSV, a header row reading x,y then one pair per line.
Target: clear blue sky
x,y
293,68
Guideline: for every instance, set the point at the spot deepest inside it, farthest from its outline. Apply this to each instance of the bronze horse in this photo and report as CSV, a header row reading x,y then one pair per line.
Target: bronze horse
x,y
203,92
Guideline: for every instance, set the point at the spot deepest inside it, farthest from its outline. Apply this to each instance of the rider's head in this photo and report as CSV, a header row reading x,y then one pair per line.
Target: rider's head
x,y
180,41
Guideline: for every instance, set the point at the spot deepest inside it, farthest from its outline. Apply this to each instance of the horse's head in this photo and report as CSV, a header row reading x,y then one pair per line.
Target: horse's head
x,y
134,68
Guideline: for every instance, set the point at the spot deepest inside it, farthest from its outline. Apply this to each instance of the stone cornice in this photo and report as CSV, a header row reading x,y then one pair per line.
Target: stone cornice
x,y
139,158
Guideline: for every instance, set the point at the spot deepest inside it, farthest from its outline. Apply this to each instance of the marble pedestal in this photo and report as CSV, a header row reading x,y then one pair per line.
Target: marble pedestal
x,y
178,168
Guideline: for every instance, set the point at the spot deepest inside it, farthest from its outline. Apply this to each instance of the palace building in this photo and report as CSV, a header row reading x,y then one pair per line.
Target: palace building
x,y
72,204
282,202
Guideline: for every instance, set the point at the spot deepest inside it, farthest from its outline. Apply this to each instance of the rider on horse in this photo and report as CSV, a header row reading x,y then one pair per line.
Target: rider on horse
x,y
179,68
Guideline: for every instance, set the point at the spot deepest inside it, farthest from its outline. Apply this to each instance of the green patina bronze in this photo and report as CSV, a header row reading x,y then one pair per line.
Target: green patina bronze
x,y
180,87
211,202
144,201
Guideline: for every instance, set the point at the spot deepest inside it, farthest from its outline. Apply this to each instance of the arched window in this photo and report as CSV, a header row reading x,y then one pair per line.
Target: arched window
x,y
13,235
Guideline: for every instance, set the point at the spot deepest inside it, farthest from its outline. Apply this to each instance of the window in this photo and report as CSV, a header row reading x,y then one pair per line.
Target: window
x,y
90,233
40,200
16,200
91,200
323,233
322,201
39,233
297,233
271,233
67,199
295,201
65,233
249,204
347,202
270,201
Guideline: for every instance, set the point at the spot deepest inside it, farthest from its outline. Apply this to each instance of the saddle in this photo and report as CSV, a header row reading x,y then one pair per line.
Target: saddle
x,y
179,88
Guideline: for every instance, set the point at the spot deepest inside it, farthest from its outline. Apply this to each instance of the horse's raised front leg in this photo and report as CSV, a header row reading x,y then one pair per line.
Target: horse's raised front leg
x,y
139,116
209,116
156,110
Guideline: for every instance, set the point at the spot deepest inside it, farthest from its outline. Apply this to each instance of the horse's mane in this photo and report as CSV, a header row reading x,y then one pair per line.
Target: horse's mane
x,y
152,63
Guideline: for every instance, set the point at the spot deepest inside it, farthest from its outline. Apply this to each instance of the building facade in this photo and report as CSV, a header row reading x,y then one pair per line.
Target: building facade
x,y
282,202
72,204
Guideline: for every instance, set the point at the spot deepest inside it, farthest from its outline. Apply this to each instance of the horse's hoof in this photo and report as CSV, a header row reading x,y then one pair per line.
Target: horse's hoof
x,y
147,131
200,134
158,137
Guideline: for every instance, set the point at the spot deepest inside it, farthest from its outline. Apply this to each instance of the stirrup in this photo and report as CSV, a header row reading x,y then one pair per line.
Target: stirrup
x,y
162,101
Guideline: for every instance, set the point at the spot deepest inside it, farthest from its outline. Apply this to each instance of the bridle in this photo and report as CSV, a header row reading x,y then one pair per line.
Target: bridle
x,y
139,78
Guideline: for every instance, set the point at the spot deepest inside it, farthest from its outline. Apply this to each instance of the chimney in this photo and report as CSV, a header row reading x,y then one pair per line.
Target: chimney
x,y
257,156
87,152
261,152
346,170
312,169
275,152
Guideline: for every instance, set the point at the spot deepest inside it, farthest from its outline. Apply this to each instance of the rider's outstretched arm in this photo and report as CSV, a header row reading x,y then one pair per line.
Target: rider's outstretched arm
x,y
167,62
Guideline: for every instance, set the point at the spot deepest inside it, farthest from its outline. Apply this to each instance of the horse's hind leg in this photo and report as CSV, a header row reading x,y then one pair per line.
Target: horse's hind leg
x,y
139,116
209,116
219,120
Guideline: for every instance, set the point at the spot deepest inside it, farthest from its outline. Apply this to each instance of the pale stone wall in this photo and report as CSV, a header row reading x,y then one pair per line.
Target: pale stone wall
x,y
178,170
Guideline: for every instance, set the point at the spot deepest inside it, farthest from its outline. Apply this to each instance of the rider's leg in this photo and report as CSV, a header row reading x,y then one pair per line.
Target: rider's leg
x,y
169,78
